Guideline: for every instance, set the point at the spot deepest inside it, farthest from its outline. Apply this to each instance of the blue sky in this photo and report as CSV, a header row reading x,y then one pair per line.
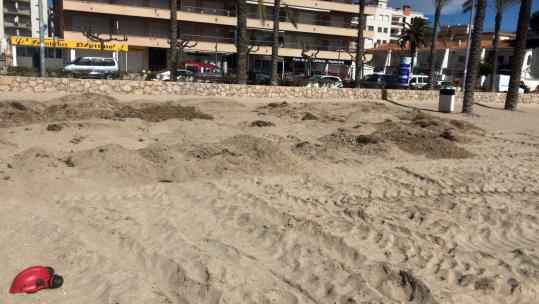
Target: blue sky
x,y
452,14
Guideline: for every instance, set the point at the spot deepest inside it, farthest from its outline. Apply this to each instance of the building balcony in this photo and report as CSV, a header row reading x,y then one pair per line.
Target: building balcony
x,y
203,15
16,11
397,24
208,44
20,25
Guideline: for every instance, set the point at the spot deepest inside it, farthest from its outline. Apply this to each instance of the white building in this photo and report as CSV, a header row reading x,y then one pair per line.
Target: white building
x,y
387,22
19,18
450,59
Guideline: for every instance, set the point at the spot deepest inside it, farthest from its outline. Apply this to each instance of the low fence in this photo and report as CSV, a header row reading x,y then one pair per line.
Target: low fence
x,y
73,86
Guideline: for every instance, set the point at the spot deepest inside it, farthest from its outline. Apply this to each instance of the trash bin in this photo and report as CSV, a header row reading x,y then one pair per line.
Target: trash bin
x,y
446,104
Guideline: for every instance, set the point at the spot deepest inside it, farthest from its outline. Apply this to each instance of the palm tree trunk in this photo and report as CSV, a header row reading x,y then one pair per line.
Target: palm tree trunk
x,y
432,56
518,56
496,41
412,54
475,57
173,40
241,41
360,42
275,45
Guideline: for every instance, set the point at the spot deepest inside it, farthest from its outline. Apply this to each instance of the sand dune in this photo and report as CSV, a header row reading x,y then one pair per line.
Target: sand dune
x,y
187,201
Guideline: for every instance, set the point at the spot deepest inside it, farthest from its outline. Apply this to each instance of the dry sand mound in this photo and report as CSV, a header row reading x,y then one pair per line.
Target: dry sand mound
x,y
420,141
92,106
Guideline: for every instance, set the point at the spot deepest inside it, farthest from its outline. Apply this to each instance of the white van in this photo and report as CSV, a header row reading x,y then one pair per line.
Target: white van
x,y
94,66
418,81
501,83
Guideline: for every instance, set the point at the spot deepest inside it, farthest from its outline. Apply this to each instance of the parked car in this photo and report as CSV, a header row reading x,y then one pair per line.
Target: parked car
x,y
379,81
445,84
324,81
98,67
418,81
183,75
259,77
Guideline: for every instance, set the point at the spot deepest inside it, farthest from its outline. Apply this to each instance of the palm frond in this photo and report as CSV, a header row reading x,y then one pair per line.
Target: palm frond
x,y
291,16
467,6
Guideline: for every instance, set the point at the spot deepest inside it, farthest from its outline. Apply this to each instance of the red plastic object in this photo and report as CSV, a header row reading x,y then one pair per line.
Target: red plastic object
x,y
34,279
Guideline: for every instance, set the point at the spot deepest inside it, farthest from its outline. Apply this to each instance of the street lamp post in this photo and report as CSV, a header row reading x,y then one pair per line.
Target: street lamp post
x,y
41,39
468,45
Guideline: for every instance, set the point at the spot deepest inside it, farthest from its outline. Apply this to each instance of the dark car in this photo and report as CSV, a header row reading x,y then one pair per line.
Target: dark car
x,y
259,77
379,81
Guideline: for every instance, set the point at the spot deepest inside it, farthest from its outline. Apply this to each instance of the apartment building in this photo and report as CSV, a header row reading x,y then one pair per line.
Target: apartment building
x,y
386,23
18,18
326,29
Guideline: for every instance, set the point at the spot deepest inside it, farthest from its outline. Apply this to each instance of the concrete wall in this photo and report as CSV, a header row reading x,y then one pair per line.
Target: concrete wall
x,y
71,86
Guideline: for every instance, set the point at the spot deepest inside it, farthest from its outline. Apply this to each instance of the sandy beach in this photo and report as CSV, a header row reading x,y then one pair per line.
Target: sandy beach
x,y
206,200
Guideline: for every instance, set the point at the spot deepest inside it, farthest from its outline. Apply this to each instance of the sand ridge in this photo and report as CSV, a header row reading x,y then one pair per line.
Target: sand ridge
x,y
346,206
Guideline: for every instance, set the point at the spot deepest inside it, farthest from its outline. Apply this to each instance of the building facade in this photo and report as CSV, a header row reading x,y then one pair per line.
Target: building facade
x,y
325,31
18,18
386,23
450,59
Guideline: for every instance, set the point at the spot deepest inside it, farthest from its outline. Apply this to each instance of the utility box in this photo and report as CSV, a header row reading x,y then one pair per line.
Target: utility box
x,y
446,103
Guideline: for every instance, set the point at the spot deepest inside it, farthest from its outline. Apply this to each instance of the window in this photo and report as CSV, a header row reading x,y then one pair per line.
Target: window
x,y
369,41
413,80
370,17
371,28
385,30
529,61
386,17
82,61
378,41
109,62
380,18
379,30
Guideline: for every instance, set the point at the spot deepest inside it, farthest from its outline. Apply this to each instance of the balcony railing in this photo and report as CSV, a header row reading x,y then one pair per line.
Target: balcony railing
x,y
16,11
22,25
310,21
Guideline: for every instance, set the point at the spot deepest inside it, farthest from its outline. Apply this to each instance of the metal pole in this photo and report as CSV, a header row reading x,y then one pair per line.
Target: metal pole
x,y
468,45
42,71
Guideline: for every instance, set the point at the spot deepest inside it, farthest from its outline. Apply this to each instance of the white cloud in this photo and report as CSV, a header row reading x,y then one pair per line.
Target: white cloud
x,y
427,6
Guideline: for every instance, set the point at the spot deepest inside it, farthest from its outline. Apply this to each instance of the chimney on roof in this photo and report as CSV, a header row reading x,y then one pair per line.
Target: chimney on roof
x,y
406,10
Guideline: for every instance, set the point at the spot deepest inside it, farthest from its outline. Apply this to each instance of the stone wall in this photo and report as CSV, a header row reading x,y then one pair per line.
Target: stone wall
x,y
73,86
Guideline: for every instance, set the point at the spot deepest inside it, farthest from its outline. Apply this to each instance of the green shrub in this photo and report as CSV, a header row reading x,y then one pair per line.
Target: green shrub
x,y
300,82
22,71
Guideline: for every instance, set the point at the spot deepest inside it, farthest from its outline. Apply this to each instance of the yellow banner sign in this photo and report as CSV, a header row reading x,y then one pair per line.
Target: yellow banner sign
x,y
58,43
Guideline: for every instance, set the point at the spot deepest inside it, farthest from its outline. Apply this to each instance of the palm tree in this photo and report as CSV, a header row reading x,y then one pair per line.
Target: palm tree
x,y
275,43
415,34
439,5
475,56
173,40
499,7
241,37
511,98
360,43
241,41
